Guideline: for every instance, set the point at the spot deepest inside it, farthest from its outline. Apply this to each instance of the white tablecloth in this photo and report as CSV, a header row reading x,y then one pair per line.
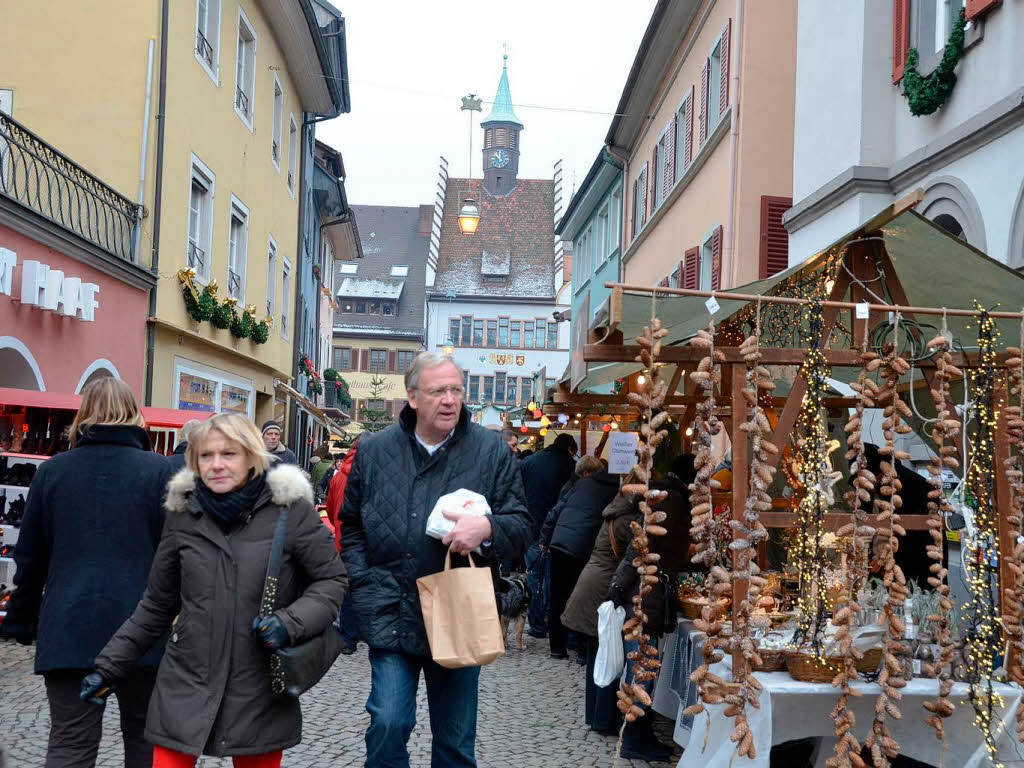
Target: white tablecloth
x,y
792,710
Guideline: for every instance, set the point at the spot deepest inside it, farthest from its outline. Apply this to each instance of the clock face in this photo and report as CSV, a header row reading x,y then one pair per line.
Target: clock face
x,y
499,159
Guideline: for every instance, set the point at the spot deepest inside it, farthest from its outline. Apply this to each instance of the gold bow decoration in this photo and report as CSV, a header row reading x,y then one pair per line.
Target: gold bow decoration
x,y
250,309
187,277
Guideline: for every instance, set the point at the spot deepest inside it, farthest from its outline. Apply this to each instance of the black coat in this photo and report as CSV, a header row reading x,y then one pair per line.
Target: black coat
x,y
284,455
391,490
177,459
575,520
213,692
544,474
92,524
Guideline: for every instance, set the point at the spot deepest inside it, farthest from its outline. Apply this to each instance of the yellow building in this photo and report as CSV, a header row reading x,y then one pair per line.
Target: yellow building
x,y
198,109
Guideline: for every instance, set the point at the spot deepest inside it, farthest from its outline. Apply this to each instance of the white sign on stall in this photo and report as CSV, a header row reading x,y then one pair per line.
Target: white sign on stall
x,y
48,288
622,452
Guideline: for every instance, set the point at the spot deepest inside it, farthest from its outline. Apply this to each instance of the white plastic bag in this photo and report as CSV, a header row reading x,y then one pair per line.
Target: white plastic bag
x,y
610,655
460,501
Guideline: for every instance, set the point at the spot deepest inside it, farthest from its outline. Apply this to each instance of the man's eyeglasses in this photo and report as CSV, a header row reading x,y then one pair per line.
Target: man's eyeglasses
x,y
439,392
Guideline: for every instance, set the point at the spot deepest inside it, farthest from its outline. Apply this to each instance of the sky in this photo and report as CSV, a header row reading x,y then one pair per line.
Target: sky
x,y
410,64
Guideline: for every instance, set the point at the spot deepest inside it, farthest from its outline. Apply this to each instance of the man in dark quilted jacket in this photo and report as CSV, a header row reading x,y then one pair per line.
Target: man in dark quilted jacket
x,y
398,475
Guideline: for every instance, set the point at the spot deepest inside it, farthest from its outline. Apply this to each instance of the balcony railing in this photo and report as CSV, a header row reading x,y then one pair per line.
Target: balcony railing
x,y
39,177
242,101
203,47
196,258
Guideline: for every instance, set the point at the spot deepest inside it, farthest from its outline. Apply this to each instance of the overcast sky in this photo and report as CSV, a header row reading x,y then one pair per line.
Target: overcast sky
x,y
411,62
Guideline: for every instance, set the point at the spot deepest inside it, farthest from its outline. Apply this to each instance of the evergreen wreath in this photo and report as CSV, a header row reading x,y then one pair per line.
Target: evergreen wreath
x,y
261,332
925,95
242,325
222,315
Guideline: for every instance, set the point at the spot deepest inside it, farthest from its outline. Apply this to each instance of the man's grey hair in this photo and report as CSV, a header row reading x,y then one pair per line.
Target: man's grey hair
x,y
589,464
425,361
187,429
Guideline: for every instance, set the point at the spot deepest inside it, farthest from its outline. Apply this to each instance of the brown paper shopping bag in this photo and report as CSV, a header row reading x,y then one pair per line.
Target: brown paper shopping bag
x,y
461,615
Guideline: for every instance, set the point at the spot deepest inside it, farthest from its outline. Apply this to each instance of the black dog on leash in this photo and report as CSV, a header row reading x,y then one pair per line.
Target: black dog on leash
x,y
513,604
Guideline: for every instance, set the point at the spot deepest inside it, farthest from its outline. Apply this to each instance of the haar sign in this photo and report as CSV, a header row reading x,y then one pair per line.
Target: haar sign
x,y
47,288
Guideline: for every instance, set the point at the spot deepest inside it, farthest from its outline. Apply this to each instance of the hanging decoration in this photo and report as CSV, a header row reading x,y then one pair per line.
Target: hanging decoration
x,y
945,430
1013,599
890,366
982,637
224,313
927,93
203,305
651,395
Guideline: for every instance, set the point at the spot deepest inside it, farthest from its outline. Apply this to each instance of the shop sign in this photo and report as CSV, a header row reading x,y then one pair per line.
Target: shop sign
x,y
622,452
48,288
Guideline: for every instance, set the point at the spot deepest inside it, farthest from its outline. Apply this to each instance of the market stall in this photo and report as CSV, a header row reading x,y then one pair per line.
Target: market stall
x,y
850,389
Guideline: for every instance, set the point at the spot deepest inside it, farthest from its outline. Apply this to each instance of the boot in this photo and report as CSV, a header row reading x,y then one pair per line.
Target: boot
x,y
640,743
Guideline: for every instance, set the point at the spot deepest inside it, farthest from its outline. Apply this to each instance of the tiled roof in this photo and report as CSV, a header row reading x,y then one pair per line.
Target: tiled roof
x,y
390,236
519,226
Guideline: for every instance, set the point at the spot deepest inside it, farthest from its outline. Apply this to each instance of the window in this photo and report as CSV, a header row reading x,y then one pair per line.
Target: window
x,y
684,140
208,35
349,268
527,390
275,142
515,334
238,241
453,331
614,224
601,235
487,395
474,389
342,359
492,333
271,276
286,292
373,307
502,331
405,358
360,307
347,307
549,383
499,387
467,327
659,170
293,152
245,69
478,333
200,220
714,86
933,20
541,328
400,270
639,214
552,335
707,255
378,360
376,405
197,387
387,308
527,334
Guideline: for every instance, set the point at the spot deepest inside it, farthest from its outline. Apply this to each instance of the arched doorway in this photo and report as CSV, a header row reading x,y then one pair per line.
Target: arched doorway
x,y
98,369
18,369
949,203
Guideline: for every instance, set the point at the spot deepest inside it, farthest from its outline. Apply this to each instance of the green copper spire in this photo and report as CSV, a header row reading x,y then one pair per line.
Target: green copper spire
x,y
502,111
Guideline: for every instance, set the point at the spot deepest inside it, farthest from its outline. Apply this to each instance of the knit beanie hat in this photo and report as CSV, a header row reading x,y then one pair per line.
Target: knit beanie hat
x,y
271,425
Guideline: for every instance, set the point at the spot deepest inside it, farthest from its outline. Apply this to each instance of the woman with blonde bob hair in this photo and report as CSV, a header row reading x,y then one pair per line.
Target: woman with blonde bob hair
x,y
213,691
92,524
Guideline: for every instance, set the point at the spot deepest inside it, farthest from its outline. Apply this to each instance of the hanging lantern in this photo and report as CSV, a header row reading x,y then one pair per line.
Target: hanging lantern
x,y
606,428
469,217
615,425
545,421
543,432
532,406
524,429
537,413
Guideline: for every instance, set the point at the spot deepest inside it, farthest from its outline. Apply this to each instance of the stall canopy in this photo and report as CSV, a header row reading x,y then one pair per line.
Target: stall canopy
x,y
64,401
934,269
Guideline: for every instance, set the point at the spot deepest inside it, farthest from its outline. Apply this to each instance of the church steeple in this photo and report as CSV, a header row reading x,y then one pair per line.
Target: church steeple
x,y
501,140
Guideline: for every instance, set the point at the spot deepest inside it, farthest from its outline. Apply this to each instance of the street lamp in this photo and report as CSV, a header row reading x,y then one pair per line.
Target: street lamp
x,y
448,348
469,216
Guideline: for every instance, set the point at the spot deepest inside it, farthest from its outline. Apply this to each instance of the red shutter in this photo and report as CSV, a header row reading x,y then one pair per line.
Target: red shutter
x,y
703,117
723,53
364,361
774,255
900,37
976,8
392,361
691,269
716,259
669,160
689,129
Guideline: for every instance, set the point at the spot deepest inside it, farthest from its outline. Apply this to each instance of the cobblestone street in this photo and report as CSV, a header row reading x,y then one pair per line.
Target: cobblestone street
x,y
531,716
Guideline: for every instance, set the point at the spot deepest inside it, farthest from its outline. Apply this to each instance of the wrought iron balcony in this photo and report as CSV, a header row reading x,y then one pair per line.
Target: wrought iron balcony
x,y
48,182
234,284
203,47
242,101
196,258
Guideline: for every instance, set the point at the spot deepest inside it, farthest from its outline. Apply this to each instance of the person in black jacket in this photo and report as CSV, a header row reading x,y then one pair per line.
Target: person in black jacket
x,y
569,533
92,525
273,438
177,458
397,477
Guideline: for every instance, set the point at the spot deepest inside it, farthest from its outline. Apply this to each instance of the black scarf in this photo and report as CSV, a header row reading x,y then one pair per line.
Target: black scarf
x,y
227,509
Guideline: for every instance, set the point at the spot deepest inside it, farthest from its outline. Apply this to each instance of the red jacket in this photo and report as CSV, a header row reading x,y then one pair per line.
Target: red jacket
x,y
336,493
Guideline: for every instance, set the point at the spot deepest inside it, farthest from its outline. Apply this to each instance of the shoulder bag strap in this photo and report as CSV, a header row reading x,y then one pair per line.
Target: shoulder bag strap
x,y
274,564
611,539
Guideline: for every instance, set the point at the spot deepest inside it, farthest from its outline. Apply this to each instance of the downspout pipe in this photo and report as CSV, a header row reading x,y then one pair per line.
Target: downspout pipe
x,y
730,266
145,141
161,115
622,156
298,332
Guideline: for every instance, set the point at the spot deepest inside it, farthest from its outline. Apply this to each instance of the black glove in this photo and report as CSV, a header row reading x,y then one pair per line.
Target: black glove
x,y
271,632
95,688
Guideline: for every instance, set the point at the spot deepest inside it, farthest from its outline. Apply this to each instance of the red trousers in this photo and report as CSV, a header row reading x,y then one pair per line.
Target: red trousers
x,y
168,758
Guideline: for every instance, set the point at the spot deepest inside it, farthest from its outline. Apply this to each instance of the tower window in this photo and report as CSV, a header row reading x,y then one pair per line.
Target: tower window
x,y
501,137
513,139
488,138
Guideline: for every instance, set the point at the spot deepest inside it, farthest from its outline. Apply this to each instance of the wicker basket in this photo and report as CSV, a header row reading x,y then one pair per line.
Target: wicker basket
x,y
868,665
804,667
691,607
771,660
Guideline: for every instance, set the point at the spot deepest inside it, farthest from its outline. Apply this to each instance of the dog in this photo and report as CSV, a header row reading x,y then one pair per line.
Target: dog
x,y
513,604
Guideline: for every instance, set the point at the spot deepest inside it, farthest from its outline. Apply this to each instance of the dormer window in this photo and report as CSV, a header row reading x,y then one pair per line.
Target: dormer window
x,y
349,268
400,270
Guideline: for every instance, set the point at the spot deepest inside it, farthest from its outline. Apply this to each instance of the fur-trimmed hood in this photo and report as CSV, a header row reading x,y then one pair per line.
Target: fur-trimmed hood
x,y
287,484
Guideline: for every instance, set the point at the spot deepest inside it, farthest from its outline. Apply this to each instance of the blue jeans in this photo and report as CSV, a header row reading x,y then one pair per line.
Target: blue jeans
x,y
538,579
451,697
347,622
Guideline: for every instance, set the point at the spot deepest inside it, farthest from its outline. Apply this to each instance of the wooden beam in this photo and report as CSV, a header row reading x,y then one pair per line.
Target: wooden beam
x,y
836,520
611,353
673,384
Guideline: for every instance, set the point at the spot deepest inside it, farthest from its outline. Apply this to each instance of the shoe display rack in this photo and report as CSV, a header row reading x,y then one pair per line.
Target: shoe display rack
x,y
16,473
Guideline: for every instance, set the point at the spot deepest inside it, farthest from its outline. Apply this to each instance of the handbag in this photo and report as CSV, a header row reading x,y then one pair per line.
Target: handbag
x,y
296,668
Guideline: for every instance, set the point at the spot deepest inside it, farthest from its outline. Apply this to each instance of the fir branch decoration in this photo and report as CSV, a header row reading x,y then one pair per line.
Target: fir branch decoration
x,y
261,332
222,315
925,95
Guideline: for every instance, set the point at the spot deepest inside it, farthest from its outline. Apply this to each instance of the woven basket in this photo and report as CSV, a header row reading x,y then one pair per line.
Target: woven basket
x,y
771,660
804,667
868,665
691,608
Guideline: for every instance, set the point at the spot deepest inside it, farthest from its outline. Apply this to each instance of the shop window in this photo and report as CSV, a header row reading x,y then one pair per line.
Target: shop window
x,y
200,389
208,35
376,405
245,69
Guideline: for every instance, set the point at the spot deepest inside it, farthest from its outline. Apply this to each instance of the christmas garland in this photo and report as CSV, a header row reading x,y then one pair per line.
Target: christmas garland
x,y
926,94
204,305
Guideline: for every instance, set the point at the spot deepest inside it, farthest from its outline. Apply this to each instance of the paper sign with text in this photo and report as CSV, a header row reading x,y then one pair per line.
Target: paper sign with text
x,y
622,452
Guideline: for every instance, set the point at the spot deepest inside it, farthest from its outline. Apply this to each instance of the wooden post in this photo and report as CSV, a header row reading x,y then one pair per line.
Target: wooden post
x,y
740,475
1001,500
583,435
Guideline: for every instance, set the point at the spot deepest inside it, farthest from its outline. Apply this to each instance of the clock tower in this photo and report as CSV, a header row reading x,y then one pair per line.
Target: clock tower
x,y
501,140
